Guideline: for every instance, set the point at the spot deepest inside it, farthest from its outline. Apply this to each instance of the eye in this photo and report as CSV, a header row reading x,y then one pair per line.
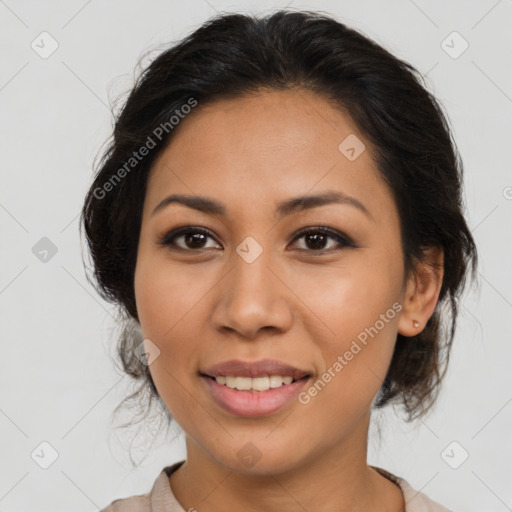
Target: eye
x,y
196,238
193,238
316,238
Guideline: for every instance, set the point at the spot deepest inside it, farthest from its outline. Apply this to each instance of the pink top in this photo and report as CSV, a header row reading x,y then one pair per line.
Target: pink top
x,y
162,499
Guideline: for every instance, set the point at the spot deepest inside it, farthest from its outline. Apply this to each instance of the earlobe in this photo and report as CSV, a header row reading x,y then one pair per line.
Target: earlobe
x,y
422,292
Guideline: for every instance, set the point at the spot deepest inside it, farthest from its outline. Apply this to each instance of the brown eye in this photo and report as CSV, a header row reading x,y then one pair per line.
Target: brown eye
x,y
317,240
192,238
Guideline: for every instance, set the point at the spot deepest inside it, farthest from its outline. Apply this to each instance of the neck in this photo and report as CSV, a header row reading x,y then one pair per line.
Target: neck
x,y
337,479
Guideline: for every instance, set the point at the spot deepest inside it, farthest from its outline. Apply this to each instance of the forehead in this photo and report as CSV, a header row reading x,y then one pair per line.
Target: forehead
x,y
264,148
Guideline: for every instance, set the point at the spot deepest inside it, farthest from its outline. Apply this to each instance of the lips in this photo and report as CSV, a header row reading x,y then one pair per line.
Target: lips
x,y
262,368
254,404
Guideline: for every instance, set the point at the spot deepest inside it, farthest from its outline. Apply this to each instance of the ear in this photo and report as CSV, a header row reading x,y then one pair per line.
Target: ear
x,y
422,292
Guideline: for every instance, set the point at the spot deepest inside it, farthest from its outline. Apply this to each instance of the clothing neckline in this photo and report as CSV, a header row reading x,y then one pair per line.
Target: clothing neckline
x,y
163,498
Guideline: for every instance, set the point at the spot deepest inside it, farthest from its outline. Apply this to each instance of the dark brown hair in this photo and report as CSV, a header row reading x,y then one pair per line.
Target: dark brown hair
x,y
234,54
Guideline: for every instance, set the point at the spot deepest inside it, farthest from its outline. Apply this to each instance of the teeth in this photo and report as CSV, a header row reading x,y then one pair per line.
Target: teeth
x,y
256,383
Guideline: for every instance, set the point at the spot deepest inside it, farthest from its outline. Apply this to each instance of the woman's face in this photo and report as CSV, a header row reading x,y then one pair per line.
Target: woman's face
x,y
255,287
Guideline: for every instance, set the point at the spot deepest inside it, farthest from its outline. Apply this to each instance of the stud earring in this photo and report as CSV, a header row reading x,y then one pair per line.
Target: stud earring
x,y
415,323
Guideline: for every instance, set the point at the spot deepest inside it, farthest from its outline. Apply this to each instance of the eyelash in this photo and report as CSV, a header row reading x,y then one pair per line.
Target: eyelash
x,y
168,239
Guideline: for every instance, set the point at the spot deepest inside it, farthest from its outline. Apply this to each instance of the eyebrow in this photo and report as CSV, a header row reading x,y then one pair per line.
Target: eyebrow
x,y
296,204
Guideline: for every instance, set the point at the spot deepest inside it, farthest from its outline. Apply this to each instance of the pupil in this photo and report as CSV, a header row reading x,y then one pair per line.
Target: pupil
x,y
194,238
318,241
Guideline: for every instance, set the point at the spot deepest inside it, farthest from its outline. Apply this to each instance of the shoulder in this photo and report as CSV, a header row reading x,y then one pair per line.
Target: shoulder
x,y
160,497
415,501
139,503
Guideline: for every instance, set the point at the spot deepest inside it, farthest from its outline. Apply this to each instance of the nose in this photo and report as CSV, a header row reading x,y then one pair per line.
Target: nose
x,y
252,298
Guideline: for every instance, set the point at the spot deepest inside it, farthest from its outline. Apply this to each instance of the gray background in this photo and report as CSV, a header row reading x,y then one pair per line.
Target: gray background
x,y
57,382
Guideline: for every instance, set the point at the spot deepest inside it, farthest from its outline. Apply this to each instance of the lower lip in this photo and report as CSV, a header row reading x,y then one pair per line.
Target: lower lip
x,y
254,403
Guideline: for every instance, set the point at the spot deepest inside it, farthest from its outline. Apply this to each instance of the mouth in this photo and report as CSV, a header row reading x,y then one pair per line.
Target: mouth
x,y
254,389
253,369
254,384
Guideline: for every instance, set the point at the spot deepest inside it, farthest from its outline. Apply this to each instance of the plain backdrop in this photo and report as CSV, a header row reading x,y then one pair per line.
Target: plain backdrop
x,y
58,384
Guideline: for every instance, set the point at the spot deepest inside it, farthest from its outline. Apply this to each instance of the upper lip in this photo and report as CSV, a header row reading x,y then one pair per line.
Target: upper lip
x,y
237,367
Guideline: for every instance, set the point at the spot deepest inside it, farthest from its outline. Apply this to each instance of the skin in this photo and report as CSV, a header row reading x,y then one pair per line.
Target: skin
x,y
205,304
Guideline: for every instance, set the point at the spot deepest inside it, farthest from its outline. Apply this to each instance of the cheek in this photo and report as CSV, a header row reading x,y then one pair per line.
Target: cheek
x,y
170,304
354,325
165,296
343,300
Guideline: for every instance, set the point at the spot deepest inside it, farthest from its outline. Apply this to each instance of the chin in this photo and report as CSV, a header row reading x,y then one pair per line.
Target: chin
x,y
257,459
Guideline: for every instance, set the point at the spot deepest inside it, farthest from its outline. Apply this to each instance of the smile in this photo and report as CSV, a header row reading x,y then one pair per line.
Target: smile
x,y
257,397
256,384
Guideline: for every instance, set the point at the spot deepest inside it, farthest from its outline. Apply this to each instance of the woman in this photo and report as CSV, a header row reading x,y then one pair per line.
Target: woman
x,y
280,212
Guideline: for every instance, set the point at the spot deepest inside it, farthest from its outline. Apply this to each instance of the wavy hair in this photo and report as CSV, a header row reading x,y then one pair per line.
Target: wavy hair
x,y
232,55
